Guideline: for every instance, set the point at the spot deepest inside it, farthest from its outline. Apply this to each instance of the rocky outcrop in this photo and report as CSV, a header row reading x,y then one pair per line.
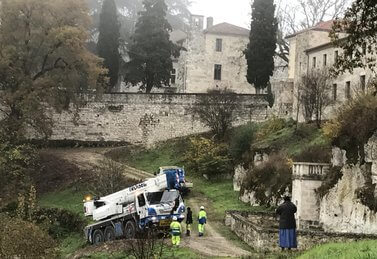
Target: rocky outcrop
x,y
341,210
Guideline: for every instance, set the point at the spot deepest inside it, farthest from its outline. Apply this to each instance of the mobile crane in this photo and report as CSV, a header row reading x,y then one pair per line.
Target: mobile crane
x,y
150,204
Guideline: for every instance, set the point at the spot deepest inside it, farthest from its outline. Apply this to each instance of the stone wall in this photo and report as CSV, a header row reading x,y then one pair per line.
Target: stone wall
x,y
143,118
260,231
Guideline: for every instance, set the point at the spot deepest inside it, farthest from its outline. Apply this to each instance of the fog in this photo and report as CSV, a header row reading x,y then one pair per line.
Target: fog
x,y
236,12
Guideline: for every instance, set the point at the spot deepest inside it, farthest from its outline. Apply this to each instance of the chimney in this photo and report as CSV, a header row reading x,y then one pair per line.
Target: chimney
x,y
209,22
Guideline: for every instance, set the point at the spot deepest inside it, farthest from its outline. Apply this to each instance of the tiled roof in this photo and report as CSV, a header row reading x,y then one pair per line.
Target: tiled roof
x,y
321,26
228,29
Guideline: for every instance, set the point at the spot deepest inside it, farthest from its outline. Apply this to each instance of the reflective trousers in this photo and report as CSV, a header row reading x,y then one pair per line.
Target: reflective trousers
x,y
175,240
201,228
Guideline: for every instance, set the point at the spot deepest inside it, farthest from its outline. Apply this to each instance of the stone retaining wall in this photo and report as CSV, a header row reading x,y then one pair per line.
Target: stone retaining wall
x,y
260,231
144,118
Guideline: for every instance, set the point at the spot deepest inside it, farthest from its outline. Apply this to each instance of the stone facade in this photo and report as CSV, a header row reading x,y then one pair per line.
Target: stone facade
x,y
143,118
312,49
260,231
203,55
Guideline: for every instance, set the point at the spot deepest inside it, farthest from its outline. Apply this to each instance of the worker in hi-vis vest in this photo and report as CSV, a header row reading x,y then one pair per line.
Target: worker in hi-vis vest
x,y
175,230
202,218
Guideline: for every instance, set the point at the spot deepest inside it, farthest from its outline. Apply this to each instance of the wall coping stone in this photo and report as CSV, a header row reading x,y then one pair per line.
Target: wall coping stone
x,y
240,215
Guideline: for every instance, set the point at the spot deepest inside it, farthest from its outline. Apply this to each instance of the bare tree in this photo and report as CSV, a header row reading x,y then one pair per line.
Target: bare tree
x,y
294,16
217,110
148,245
314,92
109,177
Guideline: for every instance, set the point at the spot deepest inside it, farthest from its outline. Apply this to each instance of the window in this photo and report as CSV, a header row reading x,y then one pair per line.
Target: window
x,y
173,77
362,83
141,200
217,72
219,45
336,55
324,60
334,91
348,90
314,62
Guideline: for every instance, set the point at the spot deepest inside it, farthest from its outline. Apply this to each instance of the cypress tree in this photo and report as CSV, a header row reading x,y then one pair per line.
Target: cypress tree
x,y
151,49
108,40
261,48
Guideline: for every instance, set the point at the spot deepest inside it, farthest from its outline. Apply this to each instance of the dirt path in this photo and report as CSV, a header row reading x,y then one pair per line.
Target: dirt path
x,y
212,244
88,158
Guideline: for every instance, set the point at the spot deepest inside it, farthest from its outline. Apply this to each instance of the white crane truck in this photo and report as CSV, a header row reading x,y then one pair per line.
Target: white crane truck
x,y
152,203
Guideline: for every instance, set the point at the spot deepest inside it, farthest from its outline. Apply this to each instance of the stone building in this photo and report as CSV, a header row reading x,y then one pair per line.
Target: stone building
x,y
312,49
214,58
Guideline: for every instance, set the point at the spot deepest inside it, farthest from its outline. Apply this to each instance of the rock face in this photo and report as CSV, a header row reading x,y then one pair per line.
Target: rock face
x,y
341,210
239,174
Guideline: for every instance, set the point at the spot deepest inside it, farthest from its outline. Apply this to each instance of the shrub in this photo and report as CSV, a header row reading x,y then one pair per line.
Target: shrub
x,y
204,156
59,222
366,193
331,178
241,141
17,165
269,180
22,239
314,154
354,125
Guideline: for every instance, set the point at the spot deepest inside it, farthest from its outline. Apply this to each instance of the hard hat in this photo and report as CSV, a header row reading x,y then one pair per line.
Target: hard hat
x,y
202,207
175,218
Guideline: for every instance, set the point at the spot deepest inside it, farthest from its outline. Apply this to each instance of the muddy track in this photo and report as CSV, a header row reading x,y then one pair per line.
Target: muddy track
x,y
212,244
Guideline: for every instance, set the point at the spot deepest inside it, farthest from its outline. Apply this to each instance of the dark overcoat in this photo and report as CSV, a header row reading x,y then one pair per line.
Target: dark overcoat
x,y
287,211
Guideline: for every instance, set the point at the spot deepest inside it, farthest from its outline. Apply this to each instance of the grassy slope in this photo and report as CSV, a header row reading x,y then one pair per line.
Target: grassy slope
x,y
292,141
355,250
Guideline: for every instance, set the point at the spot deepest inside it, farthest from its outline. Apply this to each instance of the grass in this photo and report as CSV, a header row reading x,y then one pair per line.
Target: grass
x,y
167,153
355,250
69,199
222,196
71,243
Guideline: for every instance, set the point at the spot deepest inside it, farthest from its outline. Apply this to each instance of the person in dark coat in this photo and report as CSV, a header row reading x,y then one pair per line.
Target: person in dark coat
x,y
287,224
188,221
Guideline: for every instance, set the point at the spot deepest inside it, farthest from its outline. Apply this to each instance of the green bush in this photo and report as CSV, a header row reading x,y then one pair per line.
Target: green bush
x,y
240,143
22,239
269,180
354,125
314,154
204,156
59,222
330,180
17,165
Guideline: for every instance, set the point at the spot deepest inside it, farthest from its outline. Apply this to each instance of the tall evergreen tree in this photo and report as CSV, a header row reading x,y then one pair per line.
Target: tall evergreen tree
x,y
151,49
108,40
261,48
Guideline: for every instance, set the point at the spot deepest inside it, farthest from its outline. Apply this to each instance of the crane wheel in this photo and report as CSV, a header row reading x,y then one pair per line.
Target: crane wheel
x,y
98,237
130,230
109,233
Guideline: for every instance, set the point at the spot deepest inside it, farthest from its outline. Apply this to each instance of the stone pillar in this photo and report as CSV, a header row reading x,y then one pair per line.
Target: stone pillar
x,y
307,177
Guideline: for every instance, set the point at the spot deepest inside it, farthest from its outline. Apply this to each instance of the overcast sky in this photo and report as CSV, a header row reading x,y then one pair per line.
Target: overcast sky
x,y
236,12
